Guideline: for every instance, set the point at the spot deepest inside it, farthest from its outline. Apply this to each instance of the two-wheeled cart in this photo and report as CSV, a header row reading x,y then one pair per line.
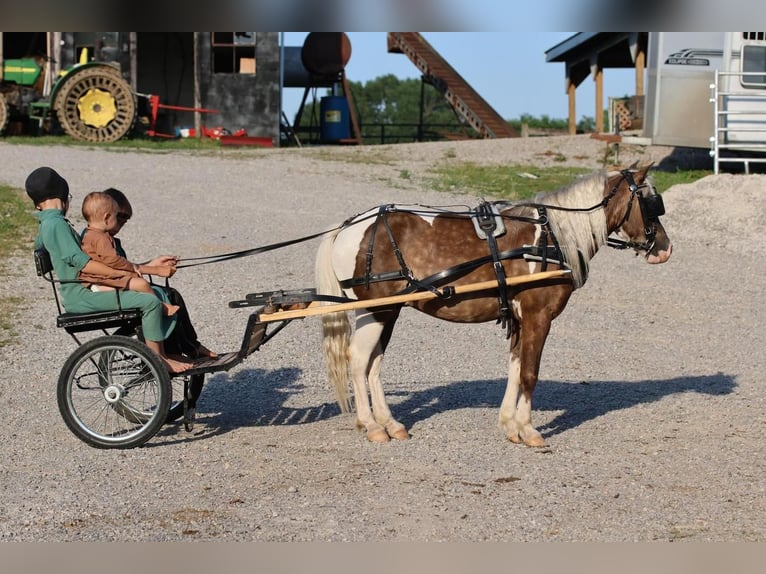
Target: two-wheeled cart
x,y
114,392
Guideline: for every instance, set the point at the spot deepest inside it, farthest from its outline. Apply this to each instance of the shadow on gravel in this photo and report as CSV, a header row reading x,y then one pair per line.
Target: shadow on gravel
x,y
580,402
251,397
259,397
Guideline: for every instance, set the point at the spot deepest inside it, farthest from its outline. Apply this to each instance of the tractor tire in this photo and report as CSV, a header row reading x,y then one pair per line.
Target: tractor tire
x,y
96,105
3,114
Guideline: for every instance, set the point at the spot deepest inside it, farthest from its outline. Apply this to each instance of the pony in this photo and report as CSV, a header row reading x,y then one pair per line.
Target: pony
x,y
395,249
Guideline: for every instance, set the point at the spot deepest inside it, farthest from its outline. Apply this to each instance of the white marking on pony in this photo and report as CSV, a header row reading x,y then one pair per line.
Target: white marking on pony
x,y
511,396
429,219
516,308
347,245
538,234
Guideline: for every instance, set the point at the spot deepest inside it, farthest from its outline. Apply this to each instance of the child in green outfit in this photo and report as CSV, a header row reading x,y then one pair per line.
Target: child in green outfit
x,y
50,194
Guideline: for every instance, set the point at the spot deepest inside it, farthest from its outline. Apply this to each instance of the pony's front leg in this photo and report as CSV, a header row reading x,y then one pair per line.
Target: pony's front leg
x,y
363,344
523,367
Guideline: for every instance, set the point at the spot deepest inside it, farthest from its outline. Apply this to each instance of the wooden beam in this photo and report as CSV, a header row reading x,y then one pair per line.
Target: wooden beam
x,y
640,64
571,91
317,308
599,79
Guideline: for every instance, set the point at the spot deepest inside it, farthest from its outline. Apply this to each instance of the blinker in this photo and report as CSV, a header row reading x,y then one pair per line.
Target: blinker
x,y
653,206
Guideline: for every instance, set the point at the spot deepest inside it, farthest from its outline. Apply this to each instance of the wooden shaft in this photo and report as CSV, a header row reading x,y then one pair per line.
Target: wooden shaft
x,y
316,308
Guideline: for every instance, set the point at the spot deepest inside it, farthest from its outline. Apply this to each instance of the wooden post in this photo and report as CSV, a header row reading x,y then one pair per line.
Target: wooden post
x,y
571,90
598,77
640,63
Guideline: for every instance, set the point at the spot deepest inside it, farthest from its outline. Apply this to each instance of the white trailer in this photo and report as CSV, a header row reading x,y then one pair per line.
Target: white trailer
x,y
707,90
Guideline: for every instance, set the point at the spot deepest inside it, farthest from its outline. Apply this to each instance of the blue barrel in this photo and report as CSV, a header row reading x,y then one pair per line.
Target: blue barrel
x,y
334,119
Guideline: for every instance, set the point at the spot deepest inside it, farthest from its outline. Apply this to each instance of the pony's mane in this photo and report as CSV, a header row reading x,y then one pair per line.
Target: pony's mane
x,y
580,233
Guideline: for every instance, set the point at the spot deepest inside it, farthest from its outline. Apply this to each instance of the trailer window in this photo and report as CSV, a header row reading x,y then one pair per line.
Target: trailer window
x,y
754,60
233,52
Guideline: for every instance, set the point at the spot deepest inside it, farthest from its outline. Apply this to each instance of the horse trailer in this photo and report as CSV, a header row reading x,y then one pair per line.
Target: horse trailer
x,y
708,90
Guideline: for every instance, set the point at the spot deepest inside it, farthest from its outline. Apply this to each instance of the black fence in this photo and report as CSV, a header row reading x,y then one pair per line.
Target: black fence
x,y
387,133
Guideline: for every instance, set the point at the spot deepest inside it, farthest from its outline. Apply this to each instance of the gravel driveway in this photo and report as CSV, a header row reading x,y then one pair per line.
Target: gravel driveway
x,y
651,393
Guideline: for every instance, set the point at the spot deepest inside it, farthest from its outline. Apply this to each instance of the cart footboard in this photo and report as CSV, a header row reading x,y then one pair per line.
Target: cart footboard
x,y
256,334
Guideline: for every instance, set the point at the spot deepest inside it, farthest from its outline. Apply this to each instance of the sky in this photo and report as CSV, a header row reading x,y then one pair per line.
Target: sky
x,y
508,69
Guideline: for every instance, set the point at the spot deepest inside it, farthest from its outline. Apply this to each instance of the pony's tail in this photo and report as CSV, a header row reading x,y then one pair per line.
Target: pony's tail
x,y
336,328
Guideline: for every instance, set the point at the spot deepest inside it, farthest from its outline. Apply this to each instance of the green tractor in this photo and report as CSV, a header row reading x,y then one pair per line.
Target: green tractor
x,y
90,101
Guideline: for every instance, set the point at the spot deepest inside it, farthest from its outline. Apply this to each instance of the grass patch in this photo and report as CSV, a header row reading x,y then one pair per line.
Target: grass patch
x,y
136,143
502,182
17,231
520,182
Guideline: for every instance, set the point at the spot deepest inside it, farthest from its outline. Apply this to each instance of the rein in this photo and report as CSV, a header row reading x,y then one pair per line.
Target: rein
x,y
651,208
255,250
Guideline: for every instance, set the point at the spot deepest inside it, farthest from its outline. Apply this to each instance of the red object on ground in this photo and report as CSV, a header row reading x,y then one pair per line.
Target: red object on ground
x,y
246,140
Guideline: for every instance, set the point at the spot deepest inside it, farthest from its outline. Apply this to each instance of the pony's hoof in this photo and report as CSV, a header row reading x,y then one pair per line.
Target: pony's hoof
x,y
535,441
398,432
377,435
514,438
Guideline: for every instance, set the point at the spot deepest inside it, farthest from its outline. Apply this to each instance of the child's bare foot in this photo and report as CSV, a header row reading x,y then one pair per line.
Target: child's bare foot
x,y
169,309
203,351
176,367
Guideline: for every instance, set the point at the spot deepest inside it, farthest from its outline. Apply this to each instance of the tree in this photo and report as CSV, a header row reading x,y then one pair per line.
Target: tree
x,y
391,106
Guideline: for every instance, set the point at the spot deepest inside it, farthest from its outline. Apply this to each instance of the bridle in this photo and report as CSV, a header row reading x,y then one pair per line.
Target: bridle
x,y
651,206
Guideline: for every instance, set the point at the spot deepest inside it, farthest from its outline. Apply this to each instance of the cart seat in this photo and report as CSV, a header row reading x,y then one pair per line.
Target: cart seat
x,y
81,322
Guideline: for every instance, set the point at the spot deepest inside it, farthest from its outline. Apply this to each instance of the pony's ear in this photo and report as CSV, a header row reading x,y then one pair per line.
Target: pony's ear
x,y
645,170
633,166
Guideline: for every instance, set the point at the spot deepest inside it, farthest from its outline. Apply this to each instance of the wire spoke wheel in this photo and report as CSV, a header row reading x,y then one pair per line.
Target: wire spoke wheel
x,y
180,384
114,392
96,105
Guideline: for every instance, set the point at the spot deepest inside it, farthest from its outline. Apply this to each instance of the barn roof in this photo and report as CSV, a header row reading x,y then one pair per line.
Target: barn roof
x,y
606,49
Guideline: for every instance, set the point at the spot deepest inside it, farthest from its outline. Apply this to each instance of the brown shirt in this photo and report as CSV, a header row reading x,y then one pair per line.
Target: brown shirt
x,y
99,245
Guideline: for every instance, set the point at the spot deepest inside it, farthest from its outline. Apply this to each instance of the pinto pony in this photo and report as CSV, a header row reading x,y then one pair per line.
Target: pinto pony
x,y
400,249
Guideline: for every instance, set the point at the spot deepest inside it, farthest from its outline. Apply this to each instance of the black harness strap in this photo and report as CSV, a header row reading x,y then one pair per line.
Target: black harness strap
x,y
455,271
488,225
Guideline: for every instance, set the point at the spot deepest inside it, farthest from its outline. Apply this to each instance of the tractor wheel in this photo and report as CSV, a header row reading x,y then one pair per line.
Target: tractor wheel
x,y
96,105
3,114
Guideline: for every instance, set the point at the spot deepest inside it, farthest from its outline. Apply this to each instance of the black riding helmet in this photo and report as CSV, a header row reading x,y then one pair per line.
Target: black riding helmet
x,y
45,183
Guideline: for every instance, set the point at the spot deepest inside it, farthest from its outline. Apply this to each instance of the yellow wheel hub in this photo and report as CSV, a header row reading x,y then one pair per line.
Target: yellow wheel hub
x,y
97,108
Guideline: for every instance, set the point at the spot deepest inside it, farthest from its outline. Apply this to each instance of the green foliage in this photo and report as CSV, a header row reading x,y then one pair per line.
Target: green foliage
x,y
389,101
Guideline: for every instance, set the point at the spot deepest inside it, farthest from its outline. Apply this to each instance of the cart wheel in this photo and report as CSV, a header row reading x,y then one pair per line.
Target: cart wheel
x,y
193,386
114,392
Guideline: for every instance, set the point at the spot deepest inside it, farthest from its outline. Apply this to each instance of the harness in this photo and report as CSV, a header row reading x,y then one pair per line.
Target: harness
x,y
488,224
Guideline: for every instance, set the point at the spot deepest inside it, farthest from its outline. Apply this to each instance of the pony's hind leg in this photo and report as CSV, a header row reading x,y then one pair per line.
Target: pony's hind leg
x,y
364,345
380,409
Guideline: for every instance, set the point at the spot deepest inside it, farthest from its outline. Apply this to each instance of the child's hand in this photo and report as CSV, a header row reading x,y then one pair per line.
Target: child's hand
x,y
167,271
165,261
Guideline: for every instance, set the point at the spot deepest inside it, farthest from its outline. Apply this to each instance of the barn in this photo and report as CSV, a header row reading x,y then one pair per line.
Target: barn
x,y
235,73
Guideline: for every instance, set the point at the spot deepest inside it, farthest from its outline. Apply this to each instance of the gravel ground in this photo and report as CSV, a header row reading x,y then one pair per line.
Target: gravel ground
x,y
650,393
